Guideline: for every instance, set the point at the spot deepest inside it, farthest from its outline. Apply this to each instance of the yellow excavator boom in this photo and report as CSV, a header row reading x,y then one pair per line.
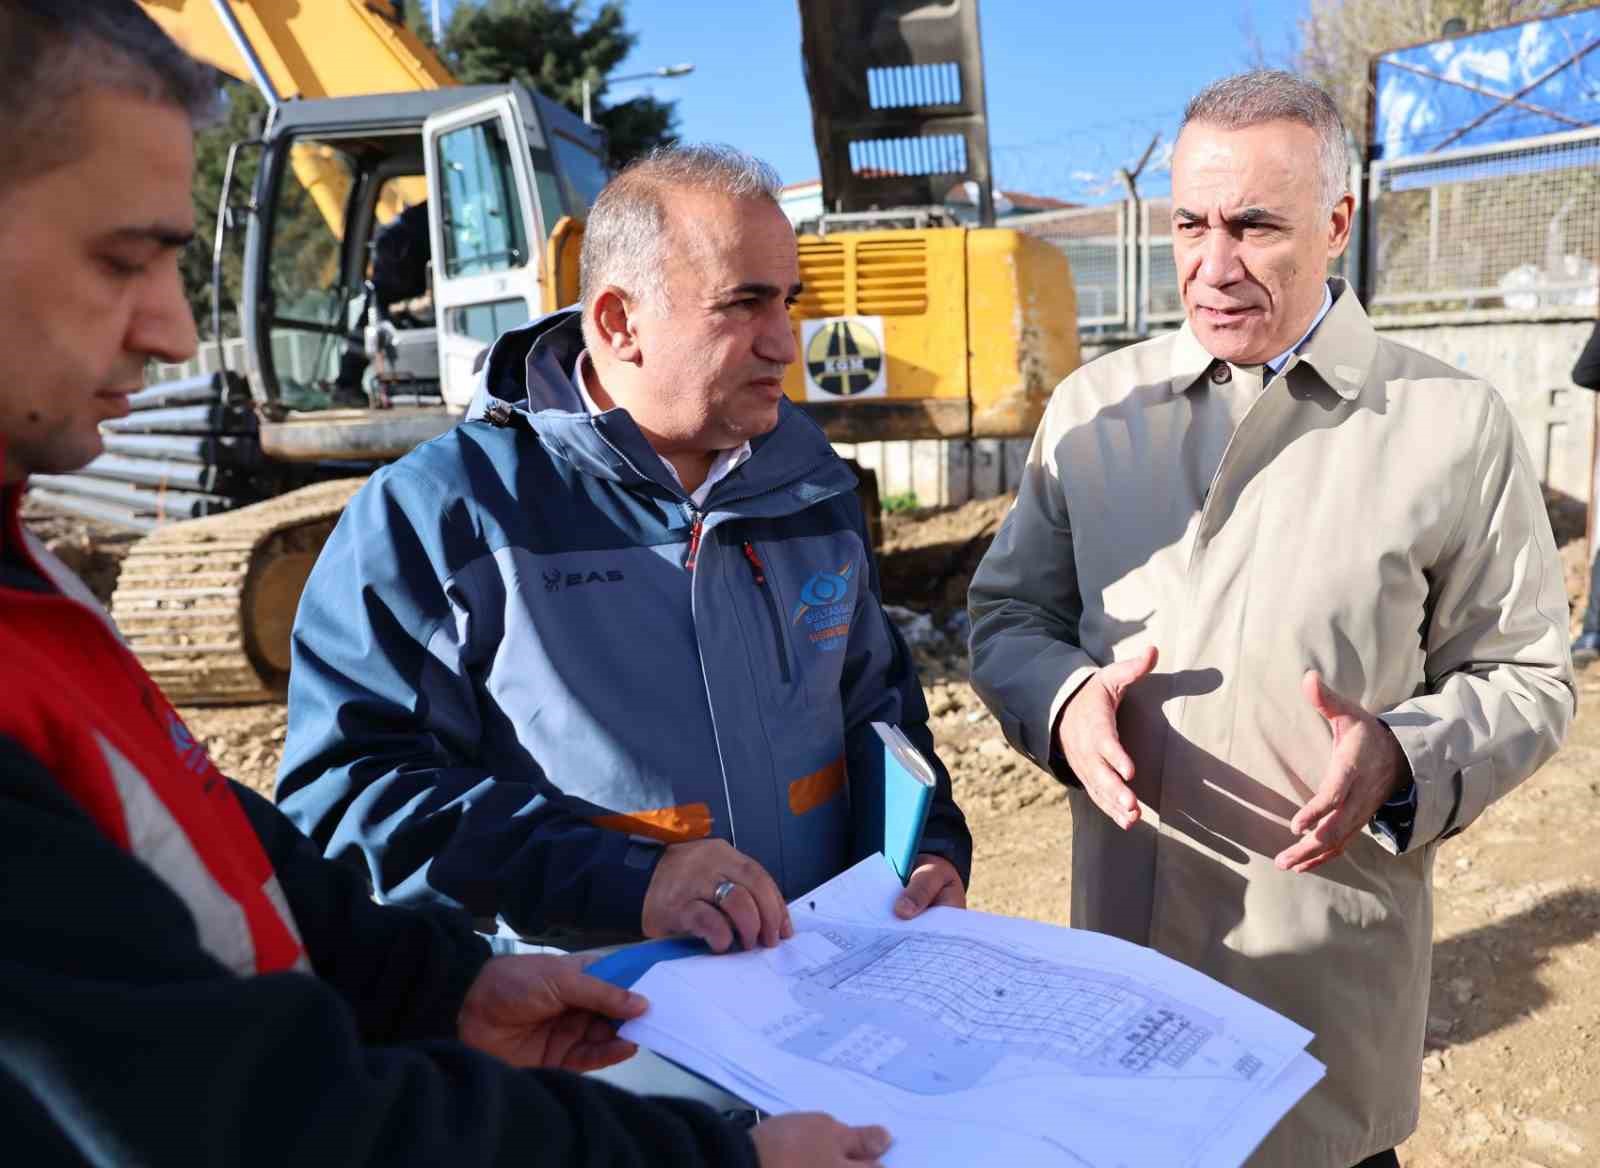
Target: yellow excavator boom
x,y
308,48
330,48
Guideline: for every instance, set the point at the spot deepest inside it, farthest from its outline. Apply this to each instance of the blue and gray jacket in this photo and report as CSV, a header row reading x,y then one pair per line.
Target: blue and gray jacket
x,y
525,661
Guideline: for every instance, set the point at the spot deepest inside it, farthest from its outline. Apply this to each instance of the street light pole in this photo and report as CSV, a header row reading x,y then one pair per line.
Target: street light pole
x,y
663,71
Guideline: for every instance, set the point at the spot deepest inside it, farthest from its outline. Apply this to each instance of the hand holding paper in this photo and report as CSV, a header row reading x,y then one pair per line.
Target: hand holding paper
x,y
934,883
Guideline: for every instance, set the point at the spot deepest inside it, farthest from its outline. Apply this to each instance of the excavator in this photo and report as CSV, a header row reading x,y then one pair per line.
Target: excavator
x,y
398,222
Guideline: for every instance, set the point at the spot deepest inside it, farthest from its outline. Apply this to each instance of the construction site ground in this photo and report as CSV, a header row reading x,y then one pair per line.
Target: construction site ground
x,y
1512,1073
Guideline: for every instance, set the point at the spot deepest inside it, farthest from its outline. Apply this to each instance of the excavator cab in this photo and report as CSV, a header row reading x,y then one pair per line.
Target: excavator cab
x,y
390,239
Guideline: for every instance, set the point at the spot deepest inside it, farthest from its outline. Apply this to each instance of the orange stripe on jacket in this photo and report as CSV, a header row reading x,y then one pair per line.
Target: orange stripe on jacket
x,y
669,825
815,789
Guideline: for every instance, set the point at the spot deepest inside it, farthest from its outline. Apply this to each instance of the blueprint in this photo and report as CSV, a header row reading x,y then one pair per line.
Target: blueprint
x,y
981,1039
934,1013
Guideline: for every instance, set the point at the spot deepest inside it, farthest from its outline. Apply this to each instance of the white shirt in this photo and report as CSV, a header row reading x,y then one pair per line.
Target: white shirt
x,y
725,463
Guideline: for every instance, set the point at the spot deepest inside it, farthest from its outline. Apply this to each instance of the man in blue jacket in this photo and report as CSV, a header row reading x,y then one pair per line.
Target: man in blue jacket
x,y
183,978
598,662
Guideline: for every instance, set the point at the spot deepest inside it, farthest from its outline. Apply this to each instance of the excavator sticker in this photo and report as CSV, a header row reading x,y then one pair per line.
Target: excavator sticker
x,y
844,357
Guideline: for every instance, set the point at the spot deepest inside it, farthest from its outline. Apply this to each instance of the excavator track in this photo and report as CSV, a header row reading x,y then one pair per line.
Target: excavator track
x,y
207,605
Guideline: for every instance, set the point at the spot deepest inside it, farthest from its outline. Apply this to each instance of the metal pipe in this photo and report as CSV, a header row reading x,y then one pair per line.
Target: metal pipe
x,y
258,71
125,517
158,472
143,500
184,448
205,418
204,387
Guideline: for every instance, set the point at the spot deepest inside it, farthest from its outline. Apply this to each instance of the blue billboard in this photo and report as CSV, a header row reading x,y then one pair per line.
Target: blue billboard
x,y
1522,81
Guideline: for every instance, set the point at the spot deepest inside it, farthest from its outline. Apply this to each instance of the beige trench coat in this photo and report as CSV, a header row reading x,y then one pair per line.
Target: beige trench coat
x,y
1374,515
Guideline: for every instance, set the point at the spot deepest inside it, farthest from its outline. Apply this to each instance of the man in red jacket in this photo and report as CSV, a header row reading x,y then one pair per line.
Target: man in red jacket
x,y
183,979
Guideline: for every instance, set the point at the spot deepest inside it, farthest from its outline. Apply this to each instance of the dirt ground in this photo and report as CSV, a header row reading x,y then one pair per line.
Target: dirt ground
x,y
1514,1022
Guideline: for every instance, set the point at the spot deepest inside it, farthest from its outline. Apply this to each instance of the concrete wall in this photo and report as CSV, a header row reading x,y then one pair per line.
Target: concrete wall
x,y
1529,362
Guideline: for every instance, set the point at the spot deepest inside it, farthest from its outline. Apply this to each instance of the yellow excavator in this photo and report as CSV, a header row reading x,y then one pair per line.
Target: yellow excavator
x,y
399,222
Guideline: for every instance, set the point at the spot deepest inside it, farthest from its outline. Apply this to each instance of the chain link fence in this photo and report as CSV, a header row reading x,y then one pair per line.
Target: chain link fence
x,y
1511,229
1158,283
1122,266
1095,241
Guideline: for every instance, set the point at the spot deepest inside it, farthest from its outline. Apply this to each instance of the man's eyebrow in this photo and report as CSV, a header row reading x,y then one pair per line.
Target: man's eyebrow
x,y
172,237
1247,216
764,291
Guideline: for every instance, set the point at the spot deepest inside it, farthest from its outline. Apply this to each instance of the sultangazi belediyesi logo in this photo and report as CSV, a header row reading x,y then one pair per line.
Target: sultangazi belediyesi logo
x,y
825,608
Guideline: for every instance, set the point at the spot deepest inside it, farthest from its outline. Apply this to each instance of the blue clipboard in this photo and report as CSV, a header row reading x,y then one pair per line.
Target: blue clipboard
x,y
628,965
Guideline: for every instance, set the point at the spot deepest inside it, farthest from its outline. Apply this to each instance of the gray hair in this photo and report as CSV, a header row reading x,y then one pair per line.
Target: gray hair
x,y
624,239
1271,95
52,51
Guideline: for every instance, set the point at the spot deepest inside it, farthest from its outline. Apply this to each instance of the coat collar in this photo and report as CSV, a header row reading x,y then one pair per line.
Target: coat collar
x,y
1341,350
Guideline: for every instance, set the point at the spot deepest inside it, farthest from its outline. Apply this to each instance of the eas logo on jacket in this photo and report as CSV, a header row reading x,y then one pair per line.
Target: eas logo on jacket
x,y
825,607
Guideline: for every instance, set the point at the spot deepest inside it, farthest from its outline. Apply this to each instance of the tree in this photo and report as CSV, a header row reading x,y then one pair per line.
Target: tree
x,y
545,45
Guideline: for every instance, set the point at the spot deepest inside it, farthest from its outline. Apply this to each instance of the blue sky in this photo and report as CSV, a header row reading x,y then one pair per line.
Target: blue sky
x,y
1075,87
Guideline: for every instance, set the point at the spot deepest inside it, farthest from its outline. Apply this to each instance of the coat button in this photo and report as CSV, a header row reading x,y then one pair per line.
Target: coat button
x,y
1221,373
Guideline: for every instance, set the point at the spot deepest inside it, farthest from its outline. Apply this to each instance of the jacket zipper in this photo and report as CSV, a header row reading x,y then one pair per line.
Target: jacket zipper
x,y
695,532
759,572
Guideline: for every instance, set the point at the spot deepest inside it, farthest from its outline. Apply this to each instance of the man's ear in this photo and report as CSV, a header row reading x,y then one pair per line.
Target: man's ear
x,y
1339,225
613,317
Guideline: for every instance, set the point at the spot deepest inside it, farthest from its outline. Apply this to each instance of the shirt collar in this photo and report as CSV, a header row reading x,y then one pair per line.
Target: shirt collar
x,y
1277,363
1341,347
725,463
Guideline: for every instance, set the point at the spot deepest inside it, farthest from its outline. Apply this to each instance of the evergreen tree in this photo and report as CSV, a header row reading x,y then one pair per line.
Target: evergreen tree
x,y
546,45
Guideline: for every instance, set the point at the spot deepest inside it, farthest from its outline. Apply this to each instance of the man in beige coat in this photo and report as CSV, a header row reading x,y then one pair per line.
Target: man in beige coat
x,y
1338,550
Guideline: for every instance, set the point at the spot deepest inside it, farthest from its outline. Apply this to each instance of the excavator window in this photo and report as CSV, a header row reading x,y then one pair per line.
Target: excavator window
x,y
485,322
483,228
310,290
583,173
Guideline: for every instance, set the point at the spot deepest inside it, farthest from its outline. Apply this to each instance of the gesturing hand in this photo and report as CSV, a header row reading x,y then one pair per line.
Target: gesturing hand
x,y
1087,735
682,897
1365,769
539,1010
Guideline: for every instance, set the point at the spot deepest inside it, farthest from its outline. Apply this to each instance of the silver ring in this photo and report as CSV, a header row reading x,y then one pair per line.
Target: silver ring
x,y
721,894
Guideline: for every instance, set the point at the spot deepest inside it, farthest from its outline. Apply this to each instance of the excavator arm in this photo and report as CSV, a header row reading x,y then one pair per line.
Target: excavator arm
x,y
292,49
330,48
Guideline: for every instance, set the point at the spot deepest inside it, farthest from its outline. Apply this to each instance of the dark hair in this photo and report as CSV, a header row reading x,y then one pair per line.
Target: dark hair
x,y
52,51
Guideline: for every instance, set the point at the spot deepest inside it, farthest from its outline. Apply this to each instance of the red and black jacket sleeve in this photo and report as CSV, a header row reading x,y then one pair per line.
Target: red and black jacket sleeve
x,y
123,1041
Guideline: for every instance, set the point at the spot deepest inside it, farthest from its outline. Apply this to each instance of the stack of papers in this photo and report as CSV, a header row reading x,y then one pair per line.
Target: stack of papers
x,y
978,1039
